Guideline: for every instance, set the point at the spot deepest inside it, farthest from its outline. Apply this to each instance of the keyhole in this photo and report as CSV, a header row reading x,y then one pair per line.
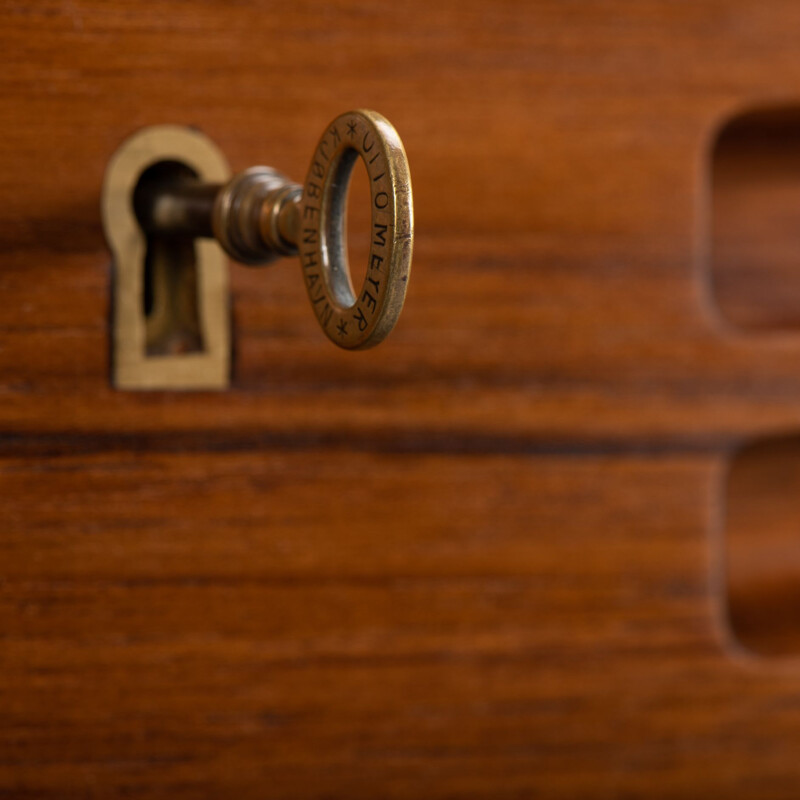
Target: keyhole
x,y
170,293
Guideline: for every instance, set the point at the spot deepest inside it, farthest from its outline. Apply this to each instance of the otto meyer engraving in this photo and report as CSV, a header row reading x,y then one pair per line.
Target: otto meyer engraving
x,y
357,319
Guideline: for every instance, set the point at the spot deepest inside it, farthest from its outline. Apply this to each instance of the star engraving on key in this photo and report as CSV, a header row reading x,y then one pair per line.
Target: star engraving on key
x,y
342,328
351,129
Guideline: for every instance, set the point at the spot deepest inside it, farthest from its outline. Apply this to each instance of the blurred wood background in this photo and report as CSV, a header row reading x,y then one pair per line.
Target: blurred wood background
x,y
487,559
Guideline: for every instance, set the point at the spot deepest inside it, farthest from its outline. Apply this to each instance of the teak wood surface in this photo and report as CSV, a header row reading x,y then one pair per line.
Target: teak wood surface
x,y
488,558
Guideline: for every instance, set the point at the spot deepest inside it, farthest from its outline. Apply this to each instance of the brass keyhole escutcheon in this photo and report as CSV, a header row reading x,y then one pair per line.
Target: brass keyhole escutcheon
x,y
171,317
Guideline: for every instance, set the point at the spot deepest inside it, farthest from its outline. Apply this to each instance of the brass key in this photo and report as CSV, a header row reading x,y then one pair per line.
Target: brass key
x,y
260,215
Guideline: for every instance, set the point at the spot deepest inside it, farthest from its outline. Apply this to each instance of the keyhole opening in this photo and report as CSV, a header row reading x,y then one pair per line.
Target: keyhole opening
x,y
170,298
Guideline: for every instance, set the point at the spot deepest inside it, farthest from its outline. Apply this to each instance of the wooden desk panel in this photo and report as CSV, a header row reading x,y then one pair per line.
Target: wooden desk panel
x,y
218,624
483,560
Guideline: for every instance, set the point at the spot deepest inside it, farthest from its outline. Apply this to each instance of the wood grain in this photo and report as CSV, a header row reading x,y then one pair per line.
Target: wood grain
x,y
486,559
273,612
